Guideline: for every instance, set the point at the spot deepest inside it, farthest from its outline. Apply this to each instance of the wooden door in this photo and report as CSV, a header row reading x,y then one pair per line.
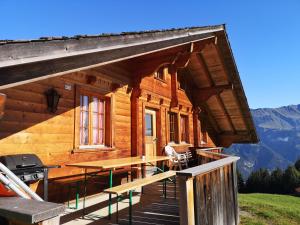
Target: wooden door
x,y
150,132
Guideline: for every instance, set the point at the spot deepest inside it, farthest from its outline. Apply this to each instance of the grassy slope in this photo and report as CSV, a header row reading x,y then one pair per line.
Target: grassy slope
x,y
266,209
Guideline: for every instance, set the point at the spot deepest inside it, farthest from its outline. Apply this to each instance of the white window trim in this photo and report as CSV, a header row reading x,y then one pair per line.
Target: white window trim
x,y
92,146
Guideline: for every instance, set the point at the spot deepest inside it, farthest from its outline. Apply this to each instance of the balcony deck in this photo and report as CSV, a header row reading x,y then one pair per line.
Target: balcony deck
x,y
149,208
206,194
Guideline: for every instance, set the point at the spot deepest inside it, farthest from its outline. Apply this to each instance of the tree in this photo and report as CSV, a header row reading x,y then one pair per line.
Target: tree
x,y
276,182
297,164
258,181
240,182
291,179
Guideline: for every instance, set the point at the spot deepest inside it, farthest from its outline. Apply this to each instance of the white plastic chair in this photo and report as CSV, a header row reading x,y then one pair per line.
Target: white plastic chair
x,y
176,159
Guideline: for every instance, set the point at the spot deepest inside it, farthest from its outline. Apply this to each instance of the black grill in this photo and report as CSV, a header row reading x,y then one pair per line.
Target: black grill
x,y
29,168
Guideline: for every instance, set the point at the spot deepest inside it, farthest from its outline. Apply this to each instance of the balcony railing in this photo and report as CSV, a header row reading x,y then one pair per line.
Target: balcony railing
x,y
208,192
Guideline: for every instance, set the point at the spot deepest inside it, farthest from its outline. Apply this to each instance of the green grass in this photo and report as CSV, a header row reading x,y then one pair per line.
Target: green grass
x,y
267,209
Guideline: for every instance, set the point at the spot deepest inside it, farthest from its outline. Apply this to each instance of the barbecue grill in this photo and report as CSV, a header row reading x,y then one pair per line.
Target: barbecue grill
x,y
29,168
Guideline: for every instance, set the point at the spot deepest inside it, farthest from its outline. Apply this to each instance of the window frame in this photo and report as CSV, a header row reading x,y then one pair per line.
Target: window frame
x,y
186,128
107,135
175,128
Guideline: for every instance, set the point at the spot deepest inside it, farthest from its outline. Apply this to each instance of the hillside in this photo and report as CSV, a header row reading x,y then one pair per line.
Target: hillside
x,y
279,132
266,209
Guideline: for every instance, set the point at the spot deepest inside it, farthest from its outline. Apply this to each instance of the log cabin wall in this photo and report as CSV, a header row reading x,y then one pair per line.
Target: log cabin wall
x,y
28,127
157,94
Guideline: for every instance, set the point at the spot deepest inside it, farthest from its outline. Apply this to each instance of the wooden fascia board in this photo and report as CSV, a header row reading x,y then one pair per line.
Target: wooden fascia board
x,y
24,73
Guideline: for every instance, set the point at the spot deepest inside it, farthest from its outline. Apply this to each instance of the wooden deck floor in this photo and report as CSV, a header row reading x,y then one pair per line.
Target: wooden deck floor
x,y
151,208
164,212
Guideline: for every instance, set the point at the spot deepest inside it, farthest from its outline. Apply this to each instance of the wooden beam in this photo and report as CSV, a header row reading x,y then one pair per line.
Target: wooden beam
x,y
148,66
174,86
233,92
221,102
135,116
183,60
196,126
212,85
203,64
200,45
203,94
206,114
2,104
226,139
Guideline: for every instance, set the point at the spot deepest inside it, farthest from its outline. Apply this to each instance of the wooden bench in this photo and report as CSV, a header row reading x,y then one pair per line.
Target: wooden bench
x,y
129,187
18,210
77,180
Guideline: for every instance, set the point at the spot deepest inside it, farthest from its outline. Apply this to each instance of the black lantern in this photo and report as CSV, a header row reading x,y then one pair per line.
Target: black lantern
x,y
2,104
52,100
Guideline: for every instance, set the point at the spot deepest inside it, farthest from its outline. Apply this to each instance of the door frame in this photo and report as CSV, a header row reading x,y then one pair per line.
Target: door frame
x,y
158,133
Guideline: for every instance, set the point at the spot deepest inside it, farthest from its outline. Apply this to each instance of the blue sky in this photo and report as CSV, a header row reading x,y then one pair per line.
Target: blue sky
x,y
264,35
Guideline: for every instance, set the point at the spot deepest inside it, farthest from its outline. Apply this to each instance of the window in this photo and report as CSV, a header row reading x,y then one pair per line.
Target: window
x,y
149,124
160,73
92,120
173,126
184,129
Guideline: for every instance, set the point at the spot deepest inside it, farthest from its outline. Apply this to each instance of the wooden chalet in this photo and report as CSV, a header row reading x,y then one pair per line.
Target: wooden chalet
x,y
87,98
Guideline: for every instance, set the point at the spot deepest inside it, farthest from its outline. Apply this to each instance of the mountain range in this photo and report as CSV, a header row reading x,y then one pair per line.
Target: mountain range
x,y
279,146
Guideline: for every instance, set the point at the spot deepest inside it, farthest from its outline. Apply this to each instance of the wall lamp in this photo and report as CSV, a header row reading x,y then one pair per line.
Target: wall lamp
x,y
52,100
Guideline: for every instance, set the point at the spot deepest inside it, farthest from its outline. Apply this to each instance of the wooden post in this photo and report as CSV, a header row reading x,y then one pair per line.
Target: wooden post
x,y
135,138
2,103
196,126
174,86
235,195
186,200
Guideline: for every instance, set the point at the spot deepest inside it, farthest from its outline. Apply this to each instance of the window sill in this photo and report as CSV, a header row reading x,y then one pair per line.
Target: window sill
x,y
93,149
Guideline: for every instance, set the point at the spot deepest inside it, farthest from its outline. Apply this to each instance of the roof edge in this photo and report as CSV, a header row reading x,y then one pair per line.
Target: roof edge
x,y
40,50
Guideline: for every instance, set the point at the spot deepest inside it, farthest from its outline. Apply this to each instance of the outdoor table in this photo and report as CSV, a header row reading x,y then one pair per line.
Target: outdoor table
x,y
112,164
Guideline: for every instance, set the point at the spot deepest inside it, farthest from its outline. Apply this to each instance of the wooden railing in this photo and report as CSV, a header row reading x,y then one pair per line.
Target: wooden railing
x,y
208,192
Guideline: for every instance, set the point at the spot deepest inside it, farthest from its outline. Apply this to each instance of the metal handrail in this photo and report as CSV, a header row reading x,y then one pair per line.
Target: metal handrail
x,y
15,183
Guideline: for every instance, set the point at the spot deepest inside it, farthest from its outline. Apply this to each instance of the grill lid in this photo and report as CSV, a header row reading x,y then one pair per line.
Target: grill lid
x,y
21,161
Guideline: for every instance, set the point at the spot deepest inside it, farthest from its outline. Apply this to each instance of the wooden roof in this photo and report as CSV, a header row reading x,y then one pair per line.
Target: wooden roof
x,y
219,92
